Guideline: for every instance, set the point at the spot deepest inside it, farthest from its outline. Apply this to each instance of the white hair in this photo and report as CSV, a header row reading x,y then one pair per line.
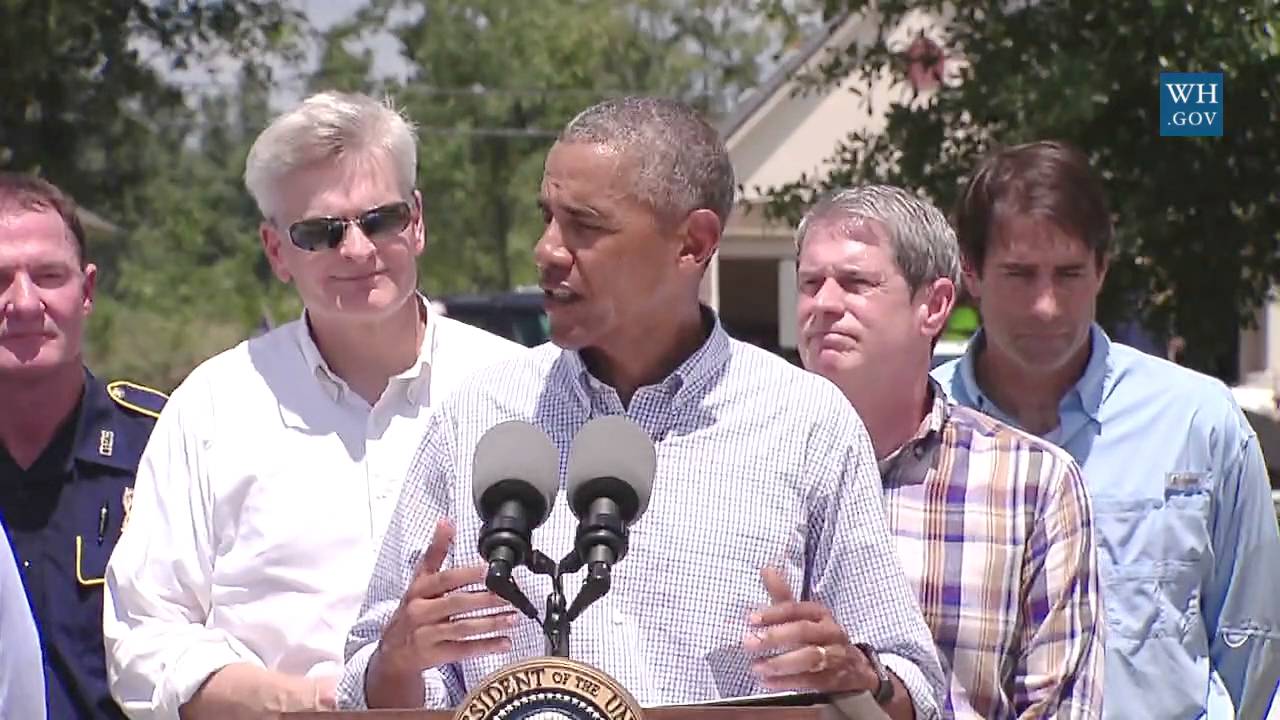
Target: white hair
x,y
329,127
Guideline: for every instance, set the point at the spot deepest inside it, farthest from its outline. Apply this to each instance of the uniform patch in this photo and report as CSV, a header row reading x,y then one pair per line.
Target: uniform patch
x,y
138,398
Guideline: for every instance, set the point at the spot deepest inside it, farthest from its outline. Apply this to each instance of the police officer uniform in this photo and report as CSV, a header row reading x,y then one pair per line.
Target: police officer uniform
x,y
64,514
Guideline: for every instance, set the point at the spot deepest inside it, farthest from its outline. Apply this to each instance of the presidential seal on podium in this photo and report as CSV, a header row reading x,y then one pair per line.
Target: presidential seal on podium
x,y
549,688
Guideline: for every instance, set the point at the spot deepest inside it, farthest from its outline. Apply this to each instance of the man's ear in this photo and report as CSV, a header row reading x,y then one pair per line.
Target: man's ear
x,y
972,277
700,237
420,224
90,286
939,297
271,246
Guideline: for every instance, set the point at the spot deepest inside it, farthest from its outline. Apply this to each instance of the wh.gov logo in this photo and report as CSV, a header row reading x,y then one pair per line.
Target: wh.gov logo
x,y
1191,104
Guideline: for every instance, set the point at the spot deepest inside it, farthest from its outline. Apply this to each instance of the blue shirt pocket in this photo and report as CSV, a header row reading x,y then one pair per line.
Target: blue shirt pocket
x,y
1152,555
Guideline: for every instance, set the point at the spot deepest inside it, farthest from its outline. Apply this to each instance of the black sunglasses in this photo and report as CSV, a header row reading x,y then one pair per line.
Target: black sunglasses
x,y
327,232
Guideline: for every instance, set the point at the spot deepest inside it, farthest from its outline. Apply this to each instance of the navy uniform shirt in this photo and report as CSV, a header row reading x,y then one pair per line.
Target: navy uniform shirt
x,y
64,514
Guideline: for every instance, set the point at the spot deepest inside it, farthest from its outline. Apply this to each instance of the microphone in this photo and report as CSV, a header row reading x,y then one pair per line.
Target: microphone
x,y
515,475
611,468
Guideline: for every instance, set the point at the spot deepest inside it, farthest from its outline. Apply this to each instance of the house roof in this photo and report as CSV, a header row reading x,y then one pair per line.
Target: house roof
x,y
781,76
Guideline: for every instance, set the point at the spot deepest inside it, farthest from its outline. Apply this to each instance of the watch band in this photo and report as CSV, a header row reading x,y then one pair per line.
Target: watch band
x,y
883,692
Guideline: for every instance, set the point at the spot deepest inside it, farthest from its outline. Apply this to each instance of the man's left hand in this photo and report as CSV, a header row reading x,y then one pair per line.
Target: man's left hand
x,y
809,650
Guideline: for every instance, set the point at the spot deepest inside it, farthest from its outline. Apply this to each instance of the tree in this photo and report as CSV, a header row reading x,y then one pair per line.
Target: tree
x,y
1197,219
89,105
493,81
83,92
193,279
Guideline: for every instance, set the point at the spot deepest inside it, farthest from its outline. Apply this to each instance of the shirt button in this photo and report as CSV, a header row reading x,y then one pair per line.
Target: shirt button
x,y
618,617
26,564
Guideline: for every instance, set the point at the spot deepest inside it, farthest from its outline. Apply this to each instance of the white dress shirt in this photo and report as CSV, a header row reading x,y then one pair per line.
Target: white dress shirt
x,y
260,503
21,664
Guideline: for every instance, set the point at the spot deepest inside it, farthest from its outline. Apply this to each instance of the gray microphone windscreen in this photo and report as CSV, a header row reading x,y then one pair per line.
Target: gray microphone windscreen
x,y
516,451
613,447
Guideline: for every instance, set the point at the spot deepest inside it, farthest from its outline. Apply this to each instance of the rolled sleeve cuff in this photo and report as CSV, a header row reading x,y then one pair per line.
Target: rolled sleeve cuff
x,y
192,668
351,686
922,693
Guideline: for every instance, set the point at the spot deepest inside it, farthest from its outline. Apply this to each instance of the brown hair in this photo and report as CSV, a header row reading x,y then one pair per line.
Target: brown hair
x,y
1047,179
20,191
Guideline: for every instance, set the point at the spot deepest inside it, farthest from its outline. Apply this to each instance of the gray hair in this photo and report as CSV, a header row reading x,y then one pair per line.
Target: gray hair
x,y
923,243
682,164
327,127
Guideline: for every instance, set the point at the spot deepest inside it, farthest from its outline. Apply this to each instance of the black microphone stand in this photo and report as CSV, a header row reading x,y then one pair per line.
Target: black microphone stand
x,y
610,543
555,622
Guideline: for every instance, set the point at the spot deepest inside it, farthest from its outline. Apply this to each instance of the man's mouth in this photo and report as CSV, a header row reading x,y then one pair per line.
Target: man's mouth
x,y
560,294
23,335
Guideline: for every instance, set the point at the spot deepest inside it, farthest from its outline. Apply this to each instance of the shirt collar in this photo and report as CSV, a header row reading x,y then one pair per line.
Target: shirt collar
x,y
927,436
414,376
1097,376
696,371
100,437
1090,389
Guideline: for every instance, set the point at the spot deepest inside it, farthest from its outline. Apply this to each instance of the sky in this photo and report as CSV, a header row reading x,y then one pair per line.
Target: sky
x,y
323,14
289,81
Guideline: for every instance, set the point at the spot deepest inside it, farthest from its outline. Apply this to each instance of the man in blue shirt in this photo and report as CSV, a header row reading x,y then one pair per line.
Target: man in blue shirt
x,y
21,683
69,443
1189,545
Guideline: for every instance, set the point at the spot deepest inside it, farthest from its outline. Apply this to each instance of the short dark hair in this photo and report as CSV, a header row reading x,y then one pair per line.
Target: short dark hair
x,y
22,191
681,162
1047,179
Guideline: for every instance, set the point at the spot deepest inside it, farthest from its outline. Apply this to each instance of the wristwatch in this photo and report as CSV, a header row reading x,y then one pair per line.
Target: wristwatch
x,y
883,692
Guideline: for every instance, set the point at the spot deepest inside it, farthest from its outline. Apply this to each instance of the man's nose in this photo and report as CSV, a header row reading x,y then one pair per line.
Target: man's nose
x,y
21,298
355,244
550,251
1046,305
830,297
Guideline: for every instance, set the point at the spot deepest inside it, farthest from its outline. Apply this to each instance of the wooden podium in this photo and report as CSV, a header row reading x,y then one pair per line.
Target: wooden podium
x,y
807,712
567,689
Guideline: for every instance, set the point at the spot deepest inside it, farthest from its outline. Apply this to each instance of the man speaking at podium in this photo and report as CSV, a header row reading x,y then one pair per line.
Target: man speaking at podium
x,y
763,561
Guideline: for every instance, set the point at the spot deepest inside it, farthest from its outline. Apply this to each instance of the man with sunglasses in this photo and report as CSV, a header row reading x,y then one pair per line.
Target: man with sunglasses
x,y
262,499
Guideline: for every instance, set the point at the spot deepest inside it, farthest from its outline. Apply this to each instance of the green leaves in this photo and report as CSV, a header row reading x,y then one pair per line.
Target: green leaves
x,y
1197,219
494,81
87,107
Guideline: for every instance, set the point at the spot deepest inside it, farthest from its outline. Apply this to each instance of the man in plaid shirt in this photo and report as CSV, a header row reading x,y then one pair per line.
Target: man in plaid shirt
x,y
993,525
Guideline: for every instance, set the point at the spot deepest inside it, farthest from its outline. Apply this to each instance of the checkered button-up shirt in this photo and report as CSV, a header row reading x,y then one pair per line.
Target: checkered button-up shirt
x,y
995,531
759,464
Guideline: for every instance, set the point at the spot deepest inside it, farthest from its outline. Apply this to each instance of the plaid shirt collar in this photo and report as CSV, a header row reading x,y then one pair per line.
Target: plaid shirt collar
x,y
920,452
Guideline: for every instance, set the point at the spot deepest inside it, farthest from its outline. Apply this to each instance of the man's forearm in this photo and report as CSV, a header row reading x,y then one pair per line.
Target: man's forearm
x,y
388,686
242,690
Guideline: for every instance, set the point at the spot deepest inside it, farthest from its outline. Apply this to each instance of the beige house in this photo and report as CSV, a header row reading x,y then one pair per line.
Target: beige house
x,y
777,136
